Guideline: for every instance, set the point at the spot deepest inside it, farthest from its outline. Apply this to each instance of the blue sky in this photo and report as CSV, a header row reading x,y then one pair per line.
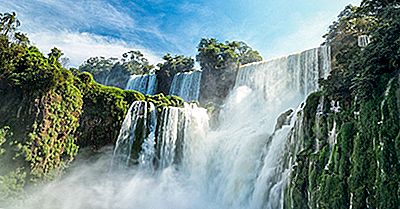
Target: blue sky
x,y
85,28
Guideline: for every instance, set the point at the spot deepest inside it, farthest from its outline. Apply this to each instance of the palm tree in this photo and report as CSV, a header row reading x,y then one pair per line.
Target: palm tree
x,y
9,22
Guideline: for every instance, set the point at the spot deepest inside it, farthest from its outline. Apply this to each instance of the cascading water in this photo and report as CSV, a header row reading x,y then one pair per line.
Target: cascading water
x,y
137,134
247,165
145,84
144,141
242,163
363,41
186,85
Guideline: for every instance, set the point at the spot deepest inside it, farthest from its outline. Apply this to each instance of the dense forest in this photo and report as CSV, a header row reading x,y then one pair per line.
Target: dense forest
x,y
50,114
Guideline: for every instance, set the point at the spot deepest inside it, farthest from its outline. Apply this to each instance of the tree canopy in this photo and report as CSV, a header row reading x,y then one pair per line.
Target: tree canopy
x,y
170,66
358,71
213,54
175,64
133,62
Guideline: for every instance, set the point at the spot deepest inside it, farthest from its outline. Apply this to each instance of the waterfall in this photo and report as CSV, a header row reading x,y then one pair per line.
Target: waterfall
x,y
147,153
248,161
244,162
363,41
145,84
186,85
137,131
274,174
285,82
107,79
144,141
168,137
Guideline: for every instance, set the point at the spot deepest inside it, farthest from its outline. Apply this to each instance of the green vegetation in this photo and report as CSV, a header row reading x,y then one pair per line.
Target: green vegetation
x,y
361,169
216,55
219,63
53,112
133,62
171,66
114,71
348,158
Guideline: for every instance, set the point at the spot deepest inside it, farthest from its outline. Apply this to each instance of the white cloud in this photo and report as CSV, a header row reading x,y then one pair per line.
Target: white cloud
x,y
55,14
80,46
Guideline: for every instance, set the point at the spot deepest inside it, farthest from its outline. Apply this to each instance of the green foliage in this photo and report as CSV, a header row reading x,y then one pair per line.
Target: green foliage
x,y
12,183
53,111
343,37
52,144
48,145
8,23
95,65
160,101
363,169
100,128
4,134
135,63
175,64
114,72
216,55
219,63
245,53
375,7
387,155
169,68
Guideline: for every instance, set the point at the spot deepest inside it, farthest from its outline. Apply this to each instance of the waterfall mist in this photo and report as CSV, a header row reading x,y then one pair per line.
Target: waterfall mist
x,y
182,164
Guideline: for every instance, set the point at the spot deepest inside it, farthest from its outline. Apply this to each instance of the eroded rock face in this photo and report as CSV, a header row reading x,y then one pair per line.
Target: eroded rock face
x,y
216,84
283,119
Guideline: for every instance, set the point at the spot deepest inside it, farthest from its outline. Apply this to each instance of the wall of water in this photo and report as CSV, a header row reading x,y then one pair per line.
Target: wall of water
x,y
146,84
186,85
243,163
285,82
156,140
136,138
250,161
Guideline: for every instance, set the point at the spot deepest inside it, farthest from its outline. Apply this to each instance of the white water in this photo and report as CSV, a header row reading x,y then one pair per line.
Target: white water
x,y
145,84
186,85
130,130
363,41
240,164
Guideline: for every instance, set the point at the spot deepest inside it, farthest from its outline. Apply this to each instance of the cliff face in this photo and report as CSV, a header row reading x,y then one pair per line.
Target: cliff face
x,y
51,113
45,123
216,84
350,135
349,156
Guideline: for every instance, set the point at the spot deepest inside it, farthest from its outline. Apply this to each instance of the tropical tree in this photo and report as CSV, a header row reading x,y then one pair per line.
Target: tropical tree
x,y
135,63
374,7
97,64
9,23
246,54
213,54
175,64
171,66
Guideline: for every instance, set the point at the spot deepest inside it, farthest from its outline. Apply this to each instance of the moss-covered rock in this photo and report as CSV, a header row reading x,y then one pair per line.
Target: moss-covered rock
x,y
104,109
53,112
